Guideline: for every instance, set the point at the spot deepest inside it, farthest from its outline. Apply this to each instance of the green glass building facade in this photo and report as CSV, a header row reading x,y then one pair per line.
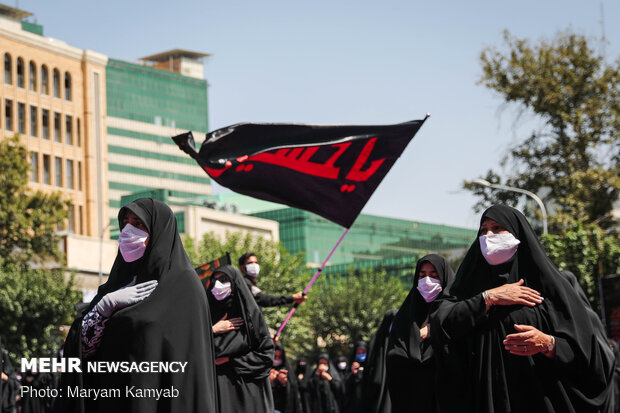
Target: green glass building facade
x,y
372,242
146,106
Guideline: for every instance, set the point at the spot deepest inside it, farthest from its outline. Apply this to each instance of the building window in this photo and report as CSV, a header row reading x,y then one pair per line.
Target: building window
x,y
67,86
56,84
71,219
32,76
34,167
79,134
8,114
58,171
45,80
81,218
79,173
45,123
46,169
8,69
68,130
69,174
20,72
57,136
33,121
21,117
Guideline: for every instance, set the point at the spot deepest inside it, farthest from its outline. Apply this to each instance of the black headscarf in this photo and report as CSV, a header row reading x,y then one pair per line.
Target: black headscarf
x,y
405,335
293,401
253,358
172,324
487,378
375,395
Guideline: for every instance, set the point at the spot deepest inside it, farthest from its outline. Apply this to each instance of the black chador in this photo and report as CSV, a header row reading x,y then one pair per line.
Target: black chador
x,y
353,379
478,374
410,360
303,373
284,386
9,385
172,325
244,355
326,387
375,394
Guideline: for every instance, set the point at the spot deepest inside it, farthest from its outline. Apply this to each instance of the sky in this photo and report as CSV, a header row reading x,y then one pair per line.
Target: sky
x,y
350,62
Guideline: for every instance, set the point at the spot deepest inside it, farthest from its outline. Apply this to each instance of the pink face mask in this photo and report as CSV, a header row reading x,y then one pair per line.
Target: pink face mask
x,y
498,248
429,288
131,243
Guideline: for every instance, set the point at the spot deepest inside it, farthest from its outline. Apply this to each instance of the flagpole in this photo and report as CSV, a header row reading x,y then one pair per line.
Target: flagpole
x,y
307,289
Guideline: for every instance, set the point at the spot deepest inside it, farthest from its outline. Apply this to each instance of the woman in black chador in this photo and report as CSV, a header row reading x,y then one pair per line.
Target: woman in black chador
x,y
410,360
514,336
326,387
243,347
353,379
284,383
303,373
375,395
152,308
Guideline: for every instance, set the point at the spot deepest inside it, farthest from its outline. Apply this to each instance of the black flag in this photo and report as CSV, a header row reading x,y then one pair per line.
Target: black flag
x,y
206,270
329,170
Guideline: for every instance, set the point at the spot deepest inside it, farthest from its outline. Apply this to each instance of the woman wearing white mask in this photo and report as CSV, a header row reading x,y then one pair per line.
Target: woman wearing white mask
x,y
513,336
410,366
151,309
243,347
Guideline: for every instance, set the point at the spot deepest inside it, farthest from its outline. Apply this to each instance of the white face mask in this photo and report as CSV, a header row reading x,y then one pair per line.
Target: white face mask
x,y
131,243
342,365
429,288
221,290
498,248
277,362
252,269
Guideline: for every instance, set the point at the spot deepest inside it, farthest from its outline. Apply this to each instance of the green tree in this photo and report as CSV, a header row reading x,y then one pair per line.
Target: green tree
x,y
588,252
343,310
576,152
28,220
33,305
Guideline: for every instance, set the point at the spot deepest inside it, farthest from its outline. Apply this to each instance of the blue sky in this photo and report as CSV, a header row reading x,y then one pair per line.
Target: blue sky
x,y
349,62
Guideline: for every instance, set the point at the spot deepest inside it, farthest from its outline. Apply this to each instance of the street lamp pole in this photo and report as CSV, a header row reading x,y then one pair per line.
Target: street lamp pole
x,y
539,201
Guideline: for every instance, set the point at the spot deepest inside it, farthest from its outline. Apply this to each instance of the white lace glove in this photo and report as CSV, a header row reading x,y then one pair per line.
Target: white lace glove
x,y
126,296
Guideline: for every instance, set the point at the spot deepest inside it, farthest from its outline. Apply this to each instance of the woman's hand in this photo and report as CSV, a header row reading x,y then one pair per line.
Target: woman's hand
x,y
273,375
224,325
128,295
425,330
283,377
529,342
515,293
221,360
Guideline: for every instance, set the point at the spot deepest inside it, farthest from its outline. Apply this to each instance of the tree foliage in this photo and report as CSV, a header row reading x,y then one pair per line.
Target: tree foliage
x,y
576,152
28,220
588,252
347,309
33,305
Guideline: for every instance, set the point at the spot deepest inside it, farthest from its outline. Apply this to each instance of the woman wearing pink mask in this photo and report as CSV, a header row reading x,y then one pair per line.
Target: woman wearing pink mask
x,y
513,336
153,308
410,361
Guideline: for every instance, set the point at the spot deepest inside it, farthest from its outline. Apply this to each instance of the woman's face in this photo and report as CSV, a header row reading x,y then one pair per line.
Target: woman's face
x,y
277,355
428,270
131,218
489,227
221,277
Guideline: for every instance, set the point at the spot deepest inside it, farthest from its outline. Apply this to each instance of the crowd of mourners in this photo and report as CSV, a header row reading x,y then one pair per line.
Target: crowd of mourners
x,y
508,332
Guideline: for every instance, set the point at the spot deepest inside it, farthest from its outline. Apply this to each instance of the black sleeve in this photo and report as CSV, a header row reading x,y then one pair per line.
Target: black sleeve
x,y
266,300
453,319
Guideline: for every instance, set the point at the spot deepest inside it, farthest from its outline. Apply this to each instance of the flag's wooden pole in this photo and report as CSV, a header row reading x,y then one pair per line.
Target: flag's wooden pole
x,y
307,289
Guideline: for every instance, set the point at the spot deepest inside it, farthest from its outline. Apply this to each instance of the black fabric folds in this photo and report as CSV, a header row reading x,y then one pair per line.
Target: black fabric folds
x,y
375,394
410,361
172,325
303,372
325,395
286,398
243,381
478,373
9,387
